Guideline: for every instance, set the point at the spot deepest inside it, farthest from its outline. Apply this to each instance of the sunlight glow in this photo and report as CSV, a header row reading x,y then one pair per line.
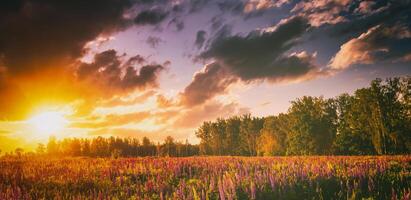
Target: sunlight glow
x,y
47,123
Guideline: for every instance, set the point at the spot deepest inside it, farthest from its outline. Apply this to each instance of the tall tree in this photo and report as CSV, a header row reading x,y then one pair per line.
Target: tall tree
x,y
204,133
272,140
350,140
313,126
249,133
232,130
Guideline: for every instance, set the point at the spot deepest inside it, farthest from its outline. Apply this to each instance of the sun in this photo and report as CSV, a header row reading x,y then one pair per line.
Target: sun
x,y
47,123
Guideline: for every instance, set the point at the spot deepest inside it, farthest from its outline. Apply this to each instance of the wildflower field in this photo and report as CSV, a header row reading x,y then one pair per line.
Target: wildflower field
x,y
315,177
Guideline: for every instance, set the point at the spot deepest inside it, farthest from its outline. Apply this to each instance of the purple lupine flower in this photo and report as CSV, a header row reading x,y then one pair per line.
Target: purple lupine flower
x,y
221,190
252,190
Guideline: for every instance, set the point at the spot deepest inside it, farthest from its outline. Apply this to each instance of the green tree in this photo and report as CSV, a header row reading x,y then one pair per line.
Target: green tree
x,y
350,140
272,140
249,133
232,129
204,133
169,147
313,126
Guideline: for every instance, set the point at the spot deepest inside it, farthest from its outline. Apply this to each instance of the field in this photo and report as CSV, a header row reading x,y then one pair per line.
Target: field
x,y
317,177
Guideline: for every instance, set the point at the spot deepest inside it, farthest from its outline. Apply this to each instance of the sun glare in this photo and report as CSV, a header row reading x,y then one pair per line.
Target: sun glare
x,y
48,123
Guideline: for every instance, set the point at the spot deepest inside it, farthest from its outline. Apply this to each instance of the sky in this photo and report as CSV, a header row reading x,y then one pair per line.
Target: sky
x,y
135,68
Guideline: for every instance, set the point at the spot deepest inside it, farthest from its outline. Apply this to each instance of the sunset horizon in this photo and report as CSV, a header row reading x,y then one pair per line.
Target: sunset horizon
x,y
205,99
54,122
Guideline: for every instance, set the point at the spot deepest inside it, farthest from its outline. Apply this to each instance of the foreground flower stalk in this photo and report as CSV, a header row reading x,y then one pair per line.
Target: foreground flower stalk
x,y
316,177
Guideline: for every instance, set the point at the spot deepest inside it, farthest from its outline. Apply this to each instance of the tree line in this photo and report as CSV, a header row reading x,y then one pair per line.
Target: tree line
x,y
374,120
116,147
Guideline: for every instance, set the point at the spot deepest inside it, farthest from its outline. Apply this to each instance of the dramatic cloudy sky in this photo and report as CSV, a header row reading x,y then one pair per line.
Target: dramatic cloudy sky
x,y
162,67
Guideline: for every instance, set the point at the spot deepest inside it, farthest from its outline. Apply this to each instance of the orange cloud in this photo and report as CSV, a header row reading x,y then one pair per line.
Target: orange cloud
x,y
321,12
378,43
112,120
193,117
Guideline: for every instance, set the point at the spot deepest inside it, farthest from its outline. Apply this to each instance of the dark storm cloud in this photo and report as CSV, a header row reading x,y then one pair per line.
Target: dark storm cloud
x,y
200,38
150,17
206,84
147,75
38,34
137,59
255,57
107,68
262,55
223,32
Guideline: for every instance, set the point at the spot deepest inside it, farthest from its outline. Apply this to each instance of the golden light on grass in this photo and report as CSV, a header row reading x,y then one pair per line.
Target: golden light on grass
x,y
48,123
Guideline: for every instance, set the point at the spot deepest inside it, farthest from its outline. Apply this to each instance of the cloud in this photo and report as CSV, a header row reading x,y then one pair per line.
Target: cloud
x,y
197,5
153,42
321,12
146,76
137,59
406,58
245,8
379,43
150,17
200,38
112,120
4,133
107,71
216,22
262,55
206,84
179,122
39,34
233,6
348,17
258,5
258,56
179,24
164,102
365,7
121,101
364,17
192,118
